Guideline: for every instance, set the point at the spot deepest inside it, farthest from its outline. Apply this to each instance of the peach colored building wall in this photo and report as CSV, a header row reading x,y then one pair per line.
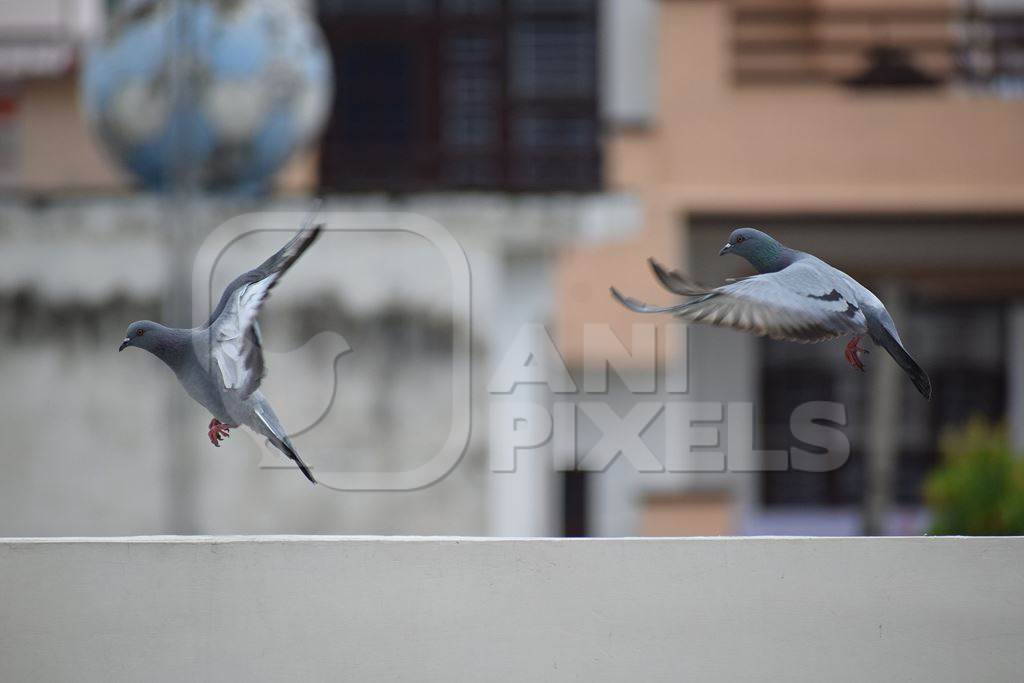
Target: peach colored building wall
x,y
56,150
58,153
716,147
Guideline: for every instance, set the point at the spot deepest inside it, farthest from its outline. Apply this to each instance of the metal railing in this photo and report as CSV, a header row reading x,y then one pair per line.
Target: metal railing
x,y
878,46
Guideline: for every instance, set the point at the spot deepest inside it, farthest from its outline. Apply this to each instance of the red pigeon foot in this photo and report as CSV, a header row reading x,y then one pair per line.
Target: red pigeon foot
x,y
853,351
218,431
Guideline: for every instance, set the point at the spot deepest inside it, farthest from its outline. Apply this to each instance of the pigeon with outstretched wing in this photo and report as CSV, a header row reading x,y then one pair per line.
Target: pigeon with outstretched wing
x,y
795,297
220,364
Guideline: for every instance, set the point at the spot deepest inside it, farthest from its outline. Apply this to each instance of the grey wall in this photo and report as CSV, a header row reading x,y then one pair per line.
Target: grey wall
x,y
85,445
448,609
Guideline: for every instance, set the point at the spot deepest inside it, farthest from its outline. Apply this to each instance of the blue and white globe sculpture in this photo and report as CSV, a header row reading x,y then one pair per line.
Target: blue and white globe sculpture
x,y
218,92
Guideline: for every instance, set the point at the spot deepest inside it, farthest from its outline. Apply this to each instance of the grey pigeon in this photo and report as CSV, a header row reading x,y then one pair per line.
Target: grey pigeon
x,y
795,296
221,363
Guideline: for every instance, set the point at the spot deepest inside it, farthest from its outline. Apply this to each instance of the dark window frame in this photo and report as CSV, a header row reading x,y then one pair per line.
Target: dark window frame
x,y
437,163
845,486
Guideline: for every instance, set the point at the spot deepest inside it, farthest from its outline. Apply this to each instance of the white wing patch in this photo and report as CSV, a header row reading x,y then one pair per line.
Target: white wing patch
x,y
236,337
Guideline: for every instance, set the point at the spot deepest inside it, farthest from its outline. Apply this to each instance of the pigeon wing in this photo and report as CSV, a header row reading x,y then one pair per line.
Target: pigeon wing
x,y
676,282
235,341
802,303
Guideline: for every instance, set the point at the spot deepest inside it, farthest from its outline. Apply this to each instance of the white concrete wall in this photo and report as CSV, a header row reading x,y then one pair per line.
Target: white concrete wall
x,y
448,609
75,272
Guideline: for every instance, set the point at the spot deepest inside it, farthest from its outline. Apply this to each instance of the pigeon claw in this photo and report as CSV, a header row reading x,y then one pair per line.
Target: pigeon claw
x,y
853,351
218,431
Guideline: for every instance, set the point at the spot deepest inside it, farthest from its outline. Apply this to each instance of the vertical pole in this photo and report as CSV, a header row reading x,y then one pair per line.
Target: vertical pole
x,y
1015,376
179,230
883,424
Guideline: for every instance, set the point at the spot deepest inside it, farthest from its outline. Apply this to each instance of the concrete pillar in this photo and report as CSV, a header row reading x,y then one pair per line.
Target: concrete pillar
x,y
883,420
525,502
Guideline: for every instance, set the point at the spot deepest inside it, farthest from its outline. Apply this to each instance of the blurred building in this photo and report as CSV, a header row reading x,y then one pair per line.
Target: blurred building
x,y
885,138
542,134
483,116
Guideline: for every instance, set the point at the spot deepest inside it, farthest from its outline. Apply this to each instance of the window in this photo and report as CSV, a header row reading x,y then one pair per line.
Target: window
x,y
462,94
964,355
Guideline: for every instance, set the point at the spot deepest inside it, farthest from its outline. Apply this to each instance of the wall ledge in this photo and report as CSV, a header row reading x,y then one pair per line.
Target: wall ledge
x,y
467,609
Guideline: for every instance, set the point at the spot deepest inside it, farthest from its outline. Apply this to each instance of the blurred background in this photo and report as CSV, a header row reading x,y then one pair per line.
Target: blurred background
x,y
562,143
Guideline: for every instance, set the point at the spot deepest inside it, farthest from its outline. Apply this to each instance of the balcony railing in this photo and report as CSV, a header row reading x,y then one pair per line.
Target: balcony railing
x,y
878,46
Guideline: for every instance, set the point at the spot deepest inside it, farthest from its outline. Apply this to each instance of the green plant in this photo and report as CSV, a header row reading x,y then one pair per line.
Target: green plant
x,y
978,490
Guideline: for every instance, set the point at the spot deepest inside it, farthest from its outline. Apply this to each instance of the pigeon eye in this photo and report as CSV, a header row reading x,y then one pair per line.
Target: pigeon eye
x,y
740,239
139,332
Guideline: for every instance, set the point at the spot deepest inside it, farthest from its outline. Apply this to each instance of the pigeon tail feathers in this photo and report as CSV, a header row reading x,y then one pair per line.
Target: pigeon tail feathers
x,y
272,430
917,375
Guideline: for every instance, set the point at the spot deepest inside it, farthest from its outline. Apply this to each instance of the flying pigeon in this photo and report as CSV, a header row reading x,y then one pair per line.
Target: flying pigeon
x,y
221,363
794,296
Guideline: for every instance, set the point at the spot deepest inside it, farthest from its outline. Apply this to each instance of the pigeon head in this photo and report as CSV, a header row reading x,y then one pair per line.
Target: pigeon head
x,y
760,249
150,336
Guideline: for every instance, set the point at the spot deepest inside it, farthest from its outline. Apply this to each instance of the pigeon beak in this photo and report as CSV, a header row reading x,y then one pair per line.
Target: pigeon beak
x,y
726,249
125,344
